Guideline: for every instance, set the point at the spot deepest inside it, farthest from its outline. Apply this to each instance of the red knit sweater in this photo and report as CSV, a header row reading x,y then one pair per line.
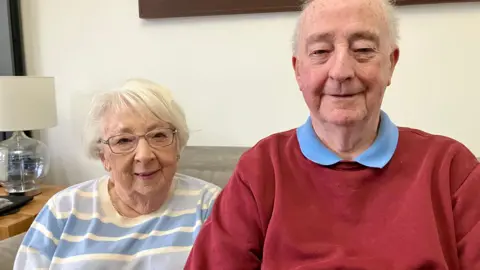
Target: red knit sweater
x,y
282,211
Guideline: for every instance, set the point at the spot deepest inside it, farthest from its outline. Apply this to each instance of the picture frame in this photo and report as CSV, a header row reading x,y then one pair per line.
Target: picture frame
x,y
156,9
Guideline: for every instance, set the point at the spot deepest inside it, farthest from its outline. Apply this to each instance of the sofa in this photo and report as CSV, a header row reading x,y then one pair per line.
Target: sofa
x,y
213,164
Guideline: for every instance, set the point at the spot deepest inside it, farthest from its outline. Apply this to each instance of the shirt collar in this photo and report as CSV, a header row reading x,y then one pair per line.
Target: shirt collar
x,y
376,156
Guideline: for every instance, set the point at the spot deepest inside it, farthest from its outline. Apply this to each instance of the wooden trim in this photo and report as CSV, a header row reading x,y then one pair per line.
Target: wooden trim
x,y
423,2
184,8
154,9
17,223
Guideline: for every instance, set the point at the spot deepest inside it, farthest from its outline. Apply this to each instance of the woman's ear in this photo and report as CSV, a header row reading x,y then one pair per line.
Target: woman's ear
x,y
105,162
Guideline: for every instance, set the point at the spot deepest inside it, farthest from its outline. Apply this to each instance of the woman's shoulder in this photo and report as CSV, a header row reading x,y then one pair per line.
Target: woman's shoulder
x,y
194,193
193,190
189,183
84,191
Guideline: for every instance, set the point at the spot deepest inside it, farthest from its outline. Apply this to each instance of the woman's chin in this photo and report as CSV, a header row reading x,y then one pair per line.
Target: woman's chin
x,y
150,187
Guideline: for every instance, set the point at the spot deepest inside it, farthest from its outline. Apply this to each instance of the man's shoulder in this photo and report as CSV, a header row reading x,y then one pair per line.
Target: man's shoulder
x,y
420,139
419,134
270,151
436,152
273,141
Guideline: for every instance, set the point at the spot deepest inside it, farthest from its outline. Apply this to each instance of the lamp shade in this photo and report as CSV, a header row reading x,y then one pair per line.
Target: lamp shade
x,y
27,103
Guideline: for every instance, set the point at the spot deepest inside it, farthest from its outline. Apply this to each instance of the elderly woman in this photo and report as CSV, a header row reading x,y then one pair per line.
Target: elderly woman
x,y
142,214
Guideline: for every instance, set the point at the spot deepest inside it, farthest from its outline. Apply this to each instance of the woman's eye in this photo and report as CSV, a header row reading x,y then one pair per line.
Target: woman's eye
x,y
124,140
159,135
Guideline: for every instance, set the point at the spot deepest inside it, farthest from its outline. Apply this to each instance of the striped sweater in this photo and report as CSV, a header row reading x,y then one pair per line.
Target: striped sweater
x,y
79,229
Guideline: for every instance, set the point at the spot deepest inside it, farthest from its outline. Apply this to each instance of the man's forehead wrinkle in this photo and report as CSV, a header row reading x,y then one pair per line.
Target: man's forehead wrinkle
x,y
370,9
367,7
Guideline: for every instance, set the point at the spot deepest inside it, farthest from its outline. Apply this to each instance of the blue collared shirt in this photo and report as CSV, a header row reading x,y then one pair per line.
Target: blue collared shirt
x,y
376,156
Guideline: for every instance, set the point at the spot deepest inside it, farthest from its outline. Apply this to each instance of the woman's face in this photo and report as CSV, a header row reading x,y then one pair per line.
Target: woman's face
x,y
146,171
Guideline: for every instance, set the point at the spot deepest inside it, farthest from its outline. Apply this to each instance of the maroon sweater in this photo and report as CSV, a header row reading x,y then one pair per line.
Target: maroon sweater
x,y
282,211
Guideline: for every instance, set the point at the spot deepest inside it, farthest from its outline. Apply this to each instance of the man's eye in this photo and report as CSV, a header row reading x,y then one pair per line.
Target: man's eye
x,y
319,52
364,50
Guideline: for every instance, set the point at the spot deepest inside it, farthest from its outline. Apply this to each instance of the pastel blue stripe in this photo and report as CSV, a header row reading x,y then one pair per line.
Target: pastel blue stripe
x,y
78,227
376,156
37,240
83,204
47,219
206,212
128,246
67,203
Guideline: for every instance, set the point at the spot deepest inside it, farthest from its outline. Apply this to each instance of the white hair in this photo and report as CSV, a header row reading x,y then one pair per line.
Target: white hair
x,y
387,5
136,94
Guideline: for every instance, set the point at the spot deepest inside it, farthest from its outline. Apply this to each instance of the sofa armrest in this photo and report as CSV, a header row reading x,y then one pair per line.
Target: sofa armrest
x,y
8,251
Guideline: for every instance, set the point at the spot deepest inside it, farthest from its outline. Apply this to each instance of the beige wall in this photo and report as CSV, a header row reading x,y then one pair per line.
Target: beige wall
x,y
232,74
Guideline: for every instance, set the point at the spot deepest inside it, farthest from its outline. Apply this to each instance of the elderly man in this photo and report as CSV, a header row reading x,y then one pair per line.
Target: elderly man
x,y
348,189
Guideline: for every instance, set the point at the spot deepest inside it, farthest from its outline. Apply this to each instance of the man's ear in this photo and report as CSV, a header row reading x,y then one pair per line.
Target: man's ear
x,y
296,67
394,56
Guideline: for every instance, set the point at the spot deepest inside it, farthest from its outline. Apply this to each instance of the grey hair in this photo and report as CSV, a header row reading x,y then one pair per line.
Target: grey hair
x,y
136,94
390,13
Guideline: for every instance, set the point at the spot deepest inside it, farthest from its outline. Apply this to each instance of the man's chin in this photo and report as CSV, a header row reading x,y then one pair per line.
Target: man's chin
x,y
343,117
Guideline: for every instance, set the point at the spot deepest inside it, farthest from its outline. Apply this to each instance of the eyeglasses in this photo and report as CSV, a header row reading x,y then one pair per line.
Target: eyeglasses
x,y
126,143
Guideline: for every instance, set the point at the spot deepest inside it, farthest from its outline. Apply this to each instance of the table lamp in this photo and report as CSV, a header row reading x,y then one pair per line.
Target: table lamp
x,y
26,103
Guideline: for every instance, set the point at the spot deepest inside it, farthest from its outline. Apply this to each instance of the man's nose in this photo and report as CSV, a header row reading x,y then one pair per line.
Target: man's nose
x,y
342,67
144,151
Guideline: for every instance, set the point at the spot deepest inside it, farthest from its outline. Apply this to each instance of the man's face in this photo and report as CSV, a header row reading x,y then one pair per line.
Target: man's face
x,y
344,60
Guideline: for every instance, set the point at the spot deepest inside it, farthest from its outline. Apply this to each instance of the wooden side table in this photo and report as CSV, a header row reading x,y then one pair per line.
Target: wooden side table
x,y
20,222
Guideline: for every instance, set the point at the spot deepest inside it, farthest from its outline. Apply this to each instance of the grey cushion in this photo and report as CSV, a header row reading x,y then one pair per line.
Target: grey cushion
x,y
212,164
8,250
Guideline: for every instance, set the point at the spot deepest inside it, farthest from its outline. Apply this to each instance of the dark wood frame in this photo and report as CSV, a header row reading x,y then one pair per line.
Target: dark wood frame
x,y
154,9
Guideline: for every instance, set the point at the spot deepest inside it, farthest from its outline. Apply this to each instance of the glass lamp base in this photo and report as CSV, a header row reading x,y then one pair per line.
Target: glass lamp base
x,y
28,189
24,162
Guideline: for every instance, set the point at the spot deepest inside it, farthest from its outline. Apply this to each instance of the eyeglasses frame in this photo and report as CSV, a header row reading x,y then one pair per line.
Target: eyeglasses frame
x,y
107,141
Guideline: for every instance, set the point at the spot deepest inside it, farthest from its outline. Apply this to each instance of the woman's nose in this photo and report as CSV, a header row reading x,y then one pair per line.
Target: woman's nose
x,y
144,151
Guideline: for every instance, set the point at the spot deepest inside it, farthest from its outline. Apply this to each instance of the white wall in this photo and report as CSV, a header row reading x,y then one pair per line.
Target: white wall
x,y
232,74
